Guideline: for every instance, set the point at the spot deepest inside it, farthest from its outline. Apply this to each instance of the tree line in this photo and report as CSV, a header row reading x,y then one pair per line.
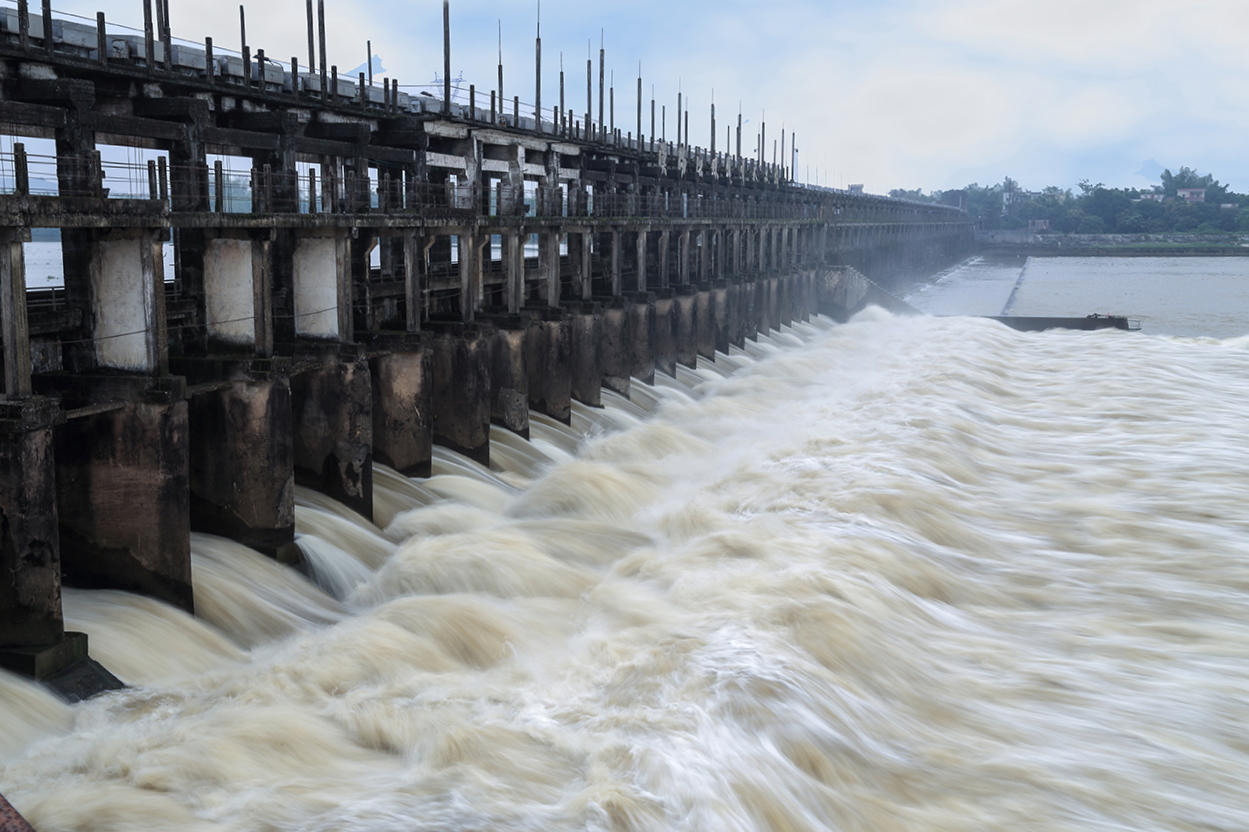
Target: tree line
x,y
1096,209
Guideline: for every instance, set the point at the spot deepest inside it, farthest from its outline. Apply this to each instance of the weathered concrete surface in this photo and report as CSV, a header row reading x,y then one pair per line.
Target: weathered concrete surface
x,y
705,322
720,315
123,500
785,300
665,332
29,545
548,349
461,397
586,337
509,373
332,407
242,465
686,330
642,337
615,354
403,394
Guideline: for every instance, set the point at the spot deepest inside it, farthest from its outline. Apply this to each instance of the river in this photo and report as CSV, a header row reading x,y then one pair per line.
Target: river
x,y
898,574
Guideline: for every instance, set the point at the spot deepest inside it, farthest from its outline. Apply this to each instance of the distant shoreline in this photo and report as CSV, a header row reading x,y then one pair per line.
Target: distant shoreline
x,y
1113,245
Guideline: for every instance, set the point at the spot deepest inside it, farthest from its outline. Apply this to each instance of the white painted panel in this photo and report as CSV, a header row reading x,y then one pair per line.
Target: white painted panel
x,y
316,288
230,295
124,300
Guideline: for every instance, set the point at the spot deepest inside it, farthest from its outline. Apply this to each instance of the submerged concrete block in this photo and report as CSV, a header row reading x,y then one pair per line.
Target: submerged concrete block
x,y
242,465
461,396
332,407
403,391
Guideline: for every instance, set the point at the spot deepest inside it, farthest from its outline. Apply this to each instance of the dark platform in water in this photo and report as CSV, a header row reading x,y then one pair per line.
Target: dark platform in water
x,y
1091,322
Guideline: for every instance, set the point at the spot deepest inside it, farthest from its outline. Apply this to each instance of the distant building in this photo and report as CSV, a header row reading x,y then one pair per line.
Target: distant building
x,y
1038,225
1191,194
1154,197
855,189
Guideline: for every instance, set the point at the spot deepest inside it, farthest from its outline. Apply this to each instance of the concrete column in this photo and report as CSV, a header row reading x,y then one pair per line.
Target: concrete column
x,y
321,273
548,355
548,266
127,307
513,245
665,332
683,258
704,256
238,293
579,263
14,323
461,398
415,277
615,348
123,491
402,383
471,283
586,323
641,256
686,329
242,472
333,438
642,337
614,264
665,273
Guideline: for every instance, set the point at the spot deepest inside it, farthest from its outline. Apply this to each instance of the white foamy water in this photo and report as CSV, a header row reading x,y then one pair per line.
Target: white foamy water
x,y
907,574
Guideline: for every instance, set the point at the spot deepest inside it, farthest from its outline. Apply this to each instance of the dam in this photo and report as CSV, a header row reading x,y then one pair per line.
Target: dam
x,y
357,275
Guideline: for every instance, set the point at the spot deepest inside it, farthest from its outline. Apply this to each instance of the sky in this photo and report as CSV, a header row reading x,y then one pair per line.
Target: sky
x,y
884,93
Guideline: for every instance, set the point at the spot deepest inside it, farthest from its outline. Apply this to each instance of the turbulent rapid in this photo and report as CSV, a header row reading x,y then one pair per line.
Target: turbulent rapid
x,y
896,574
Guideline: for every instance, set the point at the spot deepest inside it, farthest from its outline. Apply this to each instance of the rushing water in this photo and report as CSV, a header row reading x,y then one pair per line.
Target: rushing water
x,y
898,574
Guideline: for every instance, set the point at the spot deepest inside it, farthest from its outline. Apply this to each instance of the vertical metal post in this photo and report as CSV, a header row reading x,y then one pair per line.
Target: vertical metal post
x,y
369,62
472,102
602,79
260,67
101,39
589,93
162,178
639,106
312,49
334,82
312,190
210,64
321,42
295,75
713,128
152,189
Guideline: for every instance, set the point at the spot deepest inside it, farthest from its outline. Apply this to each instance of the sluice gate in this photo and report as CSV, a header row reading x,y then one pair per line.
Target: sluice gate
x,y
357,274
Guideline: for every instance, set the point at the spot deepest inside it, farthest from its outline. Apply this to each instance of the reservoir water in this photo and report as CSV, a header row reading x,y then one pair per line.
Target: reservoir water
x,y
897,574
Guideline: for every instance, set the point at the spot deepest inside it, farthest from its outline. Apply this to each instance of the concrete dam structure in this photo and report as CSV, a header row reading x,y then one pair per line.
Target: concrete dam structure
x,y
358,274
